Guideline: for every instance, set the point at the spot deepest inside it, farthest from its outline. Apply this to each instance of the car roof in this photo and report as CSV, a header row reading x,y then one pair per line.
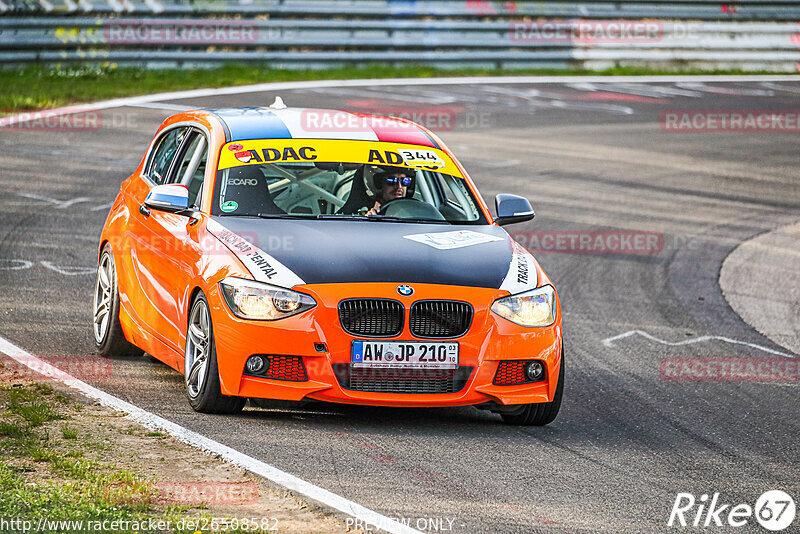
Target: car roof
x,y
241,124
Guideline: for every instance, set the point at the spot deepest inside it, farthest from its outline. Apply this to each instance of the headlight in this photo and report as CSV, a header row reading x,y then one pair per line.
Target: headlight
x,y
253,300
532,308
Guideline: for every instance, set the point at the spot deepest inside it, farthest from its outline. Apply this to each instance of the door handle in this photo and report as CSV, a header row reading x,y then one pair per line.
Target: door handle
x,y
144,210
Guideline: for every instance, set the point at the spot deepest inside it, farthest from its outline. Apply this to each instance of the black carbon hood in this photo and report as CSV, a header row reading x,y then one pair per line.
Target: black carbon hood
x,y
351,251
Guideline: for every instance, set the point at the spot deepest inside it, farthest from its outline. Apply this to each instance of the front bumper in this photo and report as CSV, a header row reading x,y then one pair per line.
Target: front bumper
x,y
489,340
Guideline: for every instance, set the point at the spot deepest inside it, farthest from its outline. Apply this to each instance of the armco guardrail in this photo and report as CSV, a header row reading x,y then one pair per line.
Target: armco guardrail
x,y
676,9
747,35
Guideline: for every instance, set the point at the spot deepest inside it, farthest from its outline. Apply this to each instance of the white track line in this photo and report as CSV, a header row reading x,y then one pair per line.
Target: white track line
x,y
317,84
282,478
609,342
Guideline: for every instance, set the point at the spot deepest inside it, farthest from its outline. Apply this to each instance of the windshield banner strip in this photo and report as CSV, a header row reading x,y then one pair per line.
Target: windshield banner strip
x,y
260,151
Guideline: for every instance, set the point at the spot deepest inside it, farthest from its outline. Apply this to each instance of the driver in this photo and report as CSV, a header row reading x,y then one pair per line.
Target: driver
x,y
391,183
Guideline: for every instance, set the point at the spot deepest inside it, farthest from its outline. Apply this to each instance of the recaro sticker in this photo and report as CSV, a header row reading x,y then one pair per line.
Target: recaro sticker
x,y
521,275
260,151
451,240
261,265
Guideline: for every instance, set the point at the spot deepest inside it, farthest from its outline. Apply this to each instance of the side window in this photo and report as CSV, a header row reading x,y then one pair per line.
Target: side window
x,y
195,184
163,153
191,168
185,157
457,199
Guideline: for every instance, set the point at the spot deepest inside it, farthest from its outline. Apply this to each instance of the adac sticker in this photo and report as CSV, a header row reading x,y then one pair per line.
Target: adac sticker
x,y
261,151
230,205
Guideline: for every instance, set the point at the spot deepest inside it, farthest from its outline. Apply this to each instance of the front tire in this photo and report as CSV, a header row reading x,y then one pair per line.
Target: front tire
x,y
200,365
541,413
108,336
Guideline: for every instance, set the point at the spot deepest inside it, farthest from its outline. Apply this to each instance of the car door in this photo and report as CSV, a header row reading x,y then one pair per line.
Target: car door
x,y
152,249
179,255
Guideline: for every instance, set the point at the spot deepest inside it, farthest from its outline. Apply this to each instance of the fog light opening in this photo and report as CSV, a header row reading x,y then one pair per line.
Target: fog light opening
x,y
534,371
256,364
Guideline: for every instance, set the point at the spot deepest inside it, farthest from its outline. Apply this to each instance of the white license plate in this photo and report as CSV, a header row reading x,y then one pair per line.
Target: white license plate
x,y
405,354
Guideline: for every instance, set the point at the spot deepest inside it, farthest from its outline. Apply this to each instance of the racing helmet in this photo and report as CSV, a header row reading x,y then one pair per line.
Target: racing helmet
x,y
379,174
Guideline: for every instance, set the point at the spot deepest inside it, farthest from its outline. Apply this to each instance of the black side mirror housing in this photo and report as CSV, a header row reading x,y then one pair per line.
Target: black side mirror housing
x,y
512,209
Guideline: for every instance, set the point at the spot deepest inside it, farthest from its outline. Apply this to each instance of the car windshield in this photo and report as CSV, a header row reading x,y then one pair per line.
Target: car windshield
x,y
296,184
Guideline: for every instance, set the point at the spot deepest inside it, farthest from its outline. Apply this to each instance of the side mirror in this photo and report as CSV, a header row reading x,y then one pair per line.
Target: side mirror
x,y
172,198
512,209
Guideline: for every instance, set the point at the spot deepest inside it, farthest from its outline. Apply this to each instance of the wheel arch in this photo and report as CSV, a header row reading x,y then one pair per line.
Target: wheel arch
x,y
103,243
196,290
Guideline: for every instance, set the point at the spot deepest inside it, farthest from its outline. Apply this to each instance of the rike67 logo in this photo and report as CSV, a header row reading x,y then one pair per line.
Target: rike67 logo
x,y
774,510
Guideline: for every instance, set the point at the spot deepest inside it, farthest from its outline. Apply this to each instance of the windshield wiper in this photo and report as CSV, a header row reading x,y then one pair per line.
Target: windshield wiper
x,y
264,215
344,216
283,216
389,218
379,218
323,216
309,217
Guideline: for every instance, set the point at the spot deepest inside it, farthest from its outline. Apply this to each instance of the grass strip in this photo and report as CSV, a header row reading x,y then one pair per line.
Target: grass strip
x,y
37,87
46,481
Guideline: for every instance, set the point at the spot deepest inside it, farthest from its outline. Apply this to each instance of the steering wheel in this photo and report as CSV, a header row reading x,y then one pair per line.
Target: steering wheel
x,y
410,208
397,202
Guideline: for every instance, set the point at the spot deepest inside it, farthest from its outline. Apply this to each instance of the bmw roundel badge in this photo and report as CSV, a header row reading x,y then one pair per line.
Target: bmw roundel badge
x,y
405,290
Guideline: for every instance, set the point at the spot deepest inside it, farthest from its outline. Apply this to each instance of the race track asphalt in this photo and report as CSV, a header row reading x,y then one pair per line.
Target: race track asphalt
x,y
592,158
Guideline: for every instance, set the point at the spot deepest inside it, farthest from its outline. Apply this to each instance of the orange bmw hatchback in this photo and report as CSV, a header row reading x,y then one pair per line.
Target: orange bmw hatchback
x,y
308,254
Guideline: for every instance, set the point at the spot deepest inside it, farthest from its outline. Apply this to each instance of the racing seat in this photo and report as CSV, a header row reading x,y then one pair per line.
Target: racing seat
x,y
358,195
248,187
